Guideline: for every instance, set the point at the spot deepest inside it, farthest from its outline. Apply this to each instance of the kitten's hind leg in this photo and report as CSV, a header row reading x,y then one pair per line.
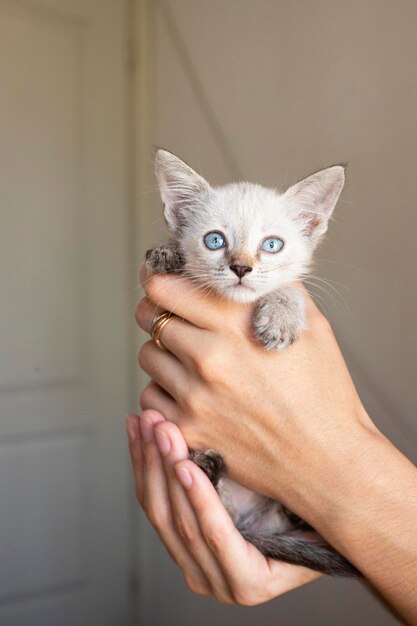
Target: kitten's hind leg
x,y
165,258
211,462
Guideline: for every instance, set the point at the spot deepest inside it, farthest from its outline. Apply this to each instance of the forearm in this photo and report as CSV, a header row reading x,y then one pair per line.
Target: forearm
x,y
365,505
359,492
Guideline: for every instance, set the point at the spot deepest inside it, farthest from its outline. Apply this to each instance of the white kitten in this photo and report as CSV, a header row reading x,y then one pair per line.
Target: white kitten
x,y
249,244
246,242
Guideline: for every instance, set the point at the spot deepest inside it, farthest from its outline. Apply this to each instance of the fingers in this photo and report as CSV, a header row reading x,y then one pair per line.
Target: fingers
x,y
135,450
251,578
154,397
178,336
189,301
174,449
154,497
214,557
226,543
165,369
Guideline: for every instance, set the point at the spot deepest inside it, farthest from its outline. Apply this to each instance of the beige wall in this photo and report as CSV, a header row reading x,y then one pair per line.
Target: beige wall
x,y
270,90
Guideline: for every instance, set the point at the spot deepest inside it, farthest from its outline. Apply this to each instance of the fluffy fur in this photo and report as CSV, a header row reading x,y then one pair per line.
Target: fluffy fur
x,y
246,215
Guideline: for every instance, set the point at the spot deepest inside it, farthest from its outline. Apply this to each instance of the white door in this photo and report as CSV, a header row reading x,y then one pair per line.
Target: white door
x,y
63,313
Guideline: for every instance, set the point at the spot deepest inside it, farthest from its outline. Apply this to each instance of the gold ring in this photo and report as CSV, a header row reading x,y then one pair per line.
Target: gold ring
x,y
157,326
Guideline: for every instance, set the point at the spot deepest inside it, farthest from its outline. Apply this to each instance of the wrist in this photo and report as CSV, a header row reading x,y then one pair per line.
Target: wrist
x,y
344,484
360,506
335,478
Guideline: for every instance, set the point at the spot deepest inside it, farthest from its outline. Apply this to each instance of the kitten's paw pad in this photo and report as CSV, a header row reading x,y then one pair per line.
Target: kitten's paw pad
x,y
164,259
211,462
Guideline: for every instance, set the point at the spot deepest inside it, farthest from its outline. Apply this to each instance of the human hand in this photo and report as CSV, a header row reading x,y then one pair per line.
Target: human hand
x,y
285,422
290,425
196,529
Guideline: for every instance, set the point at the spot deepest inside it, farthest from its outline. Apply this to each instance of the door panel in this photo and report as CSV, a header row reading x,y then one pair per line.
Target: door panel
x,y
64,301
41,73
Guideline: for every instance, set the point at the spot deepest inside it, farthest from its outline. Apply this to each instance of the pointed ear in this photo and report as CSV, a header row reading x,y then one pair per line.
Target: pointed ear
x,y
314,198
180,188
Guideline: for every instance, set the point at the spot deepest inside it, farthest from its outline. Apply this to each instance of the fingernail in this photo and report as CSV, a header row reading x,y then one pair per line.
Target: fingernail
x,y
146,428
184,476
163,442
131,428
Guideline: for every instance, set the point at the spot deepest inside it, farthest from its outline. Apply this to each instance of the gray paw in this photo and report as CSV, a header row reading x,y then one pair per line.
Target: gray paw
x,y
279,318
211,462
165,258
274,337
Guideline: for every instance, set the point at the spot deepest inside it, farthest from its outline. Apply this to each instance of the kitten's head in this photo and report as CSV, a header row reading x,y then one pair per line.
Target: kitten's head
x,y
244,240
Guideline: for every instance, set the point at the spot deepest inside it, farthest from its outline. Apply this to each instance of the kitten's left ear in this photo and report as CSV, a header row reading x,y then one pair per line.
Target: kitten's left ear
x,y
314,198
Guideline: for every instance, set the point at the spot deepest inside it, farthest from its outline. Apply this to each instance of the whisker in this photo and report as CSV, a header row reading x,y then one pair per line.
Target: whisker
x,y
319,301
354,267
329,282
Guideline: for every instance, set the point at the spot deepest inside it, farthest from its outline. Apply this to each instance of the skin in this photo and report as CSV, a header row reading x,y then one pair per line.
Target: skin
x,y
290,425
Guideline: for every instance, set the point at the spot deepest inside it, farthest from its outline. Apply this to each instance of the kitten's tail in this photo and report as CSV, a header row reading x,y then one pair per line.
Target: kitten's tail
x,y
297,549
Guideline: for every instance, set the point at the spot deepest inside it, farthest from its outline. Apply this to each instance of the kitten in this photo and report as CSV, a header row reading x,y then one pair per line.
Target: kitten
x,y
250,244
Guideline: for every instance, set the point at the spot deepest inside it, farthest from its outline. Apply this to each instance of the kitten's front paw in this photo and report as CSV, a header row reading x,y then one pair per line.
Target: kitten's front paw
x,y
274,337
278,320
163,259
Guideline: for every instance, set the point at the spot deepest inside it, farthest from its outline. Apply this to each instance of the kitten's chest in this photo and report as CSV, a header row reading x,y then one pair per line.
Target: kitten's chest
x,y
251,511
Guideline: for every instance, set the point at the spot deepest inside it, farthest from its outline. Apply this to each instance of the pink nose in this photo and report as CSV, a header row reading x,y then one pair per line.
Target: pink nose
x,y
241,270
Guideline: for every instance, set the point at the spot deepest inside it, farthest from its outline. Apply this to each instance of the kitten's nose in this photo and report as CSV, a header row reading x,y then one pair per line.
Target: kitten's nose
x,y
241,270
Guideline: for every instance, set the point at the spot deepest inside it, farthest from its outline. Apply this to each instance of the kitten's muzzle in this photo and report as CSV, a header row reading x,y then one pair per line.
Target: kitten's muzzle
x,y
241,270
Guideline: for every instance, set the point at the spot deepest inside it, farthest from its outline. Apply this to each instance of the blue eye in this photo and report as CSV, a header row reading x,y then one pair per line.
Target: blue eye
x,y
214,241
272,245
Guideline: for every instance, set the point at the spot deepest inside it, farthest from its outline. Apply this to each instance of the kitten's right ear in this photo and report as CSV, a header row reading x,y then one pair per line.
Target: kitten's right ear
x,y
180,187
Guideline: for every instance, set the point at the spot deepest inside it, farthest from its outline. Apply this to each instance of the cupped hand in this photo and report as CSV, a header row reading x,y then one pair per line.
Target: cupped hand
x,y
196,529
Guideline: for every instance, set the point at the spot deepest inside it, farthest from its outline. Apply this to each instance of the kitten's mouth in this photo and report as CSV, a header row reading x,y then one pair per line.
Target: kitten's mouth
x,y
242,286
239,286
240,292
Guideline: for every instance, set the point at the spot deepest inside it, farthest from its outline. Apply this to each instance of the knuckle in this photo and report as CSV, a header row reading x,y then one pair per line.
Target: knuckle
x,y
153,516
140,313
158,516
191,399
145,399
208,363
243,598
187,530
196,585
144,354
249,592
215,540
225,598
153,287
190,404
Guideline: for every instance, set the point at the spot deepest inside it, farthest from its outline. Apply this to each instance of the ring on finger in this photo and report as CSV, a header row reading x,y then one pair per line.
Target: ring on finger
x,y
158,325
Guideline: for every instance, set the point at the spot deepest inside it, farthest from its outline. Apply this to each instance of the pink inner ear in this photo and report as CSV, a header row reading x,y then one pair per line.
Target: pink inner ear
x,y
310,221
315,197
